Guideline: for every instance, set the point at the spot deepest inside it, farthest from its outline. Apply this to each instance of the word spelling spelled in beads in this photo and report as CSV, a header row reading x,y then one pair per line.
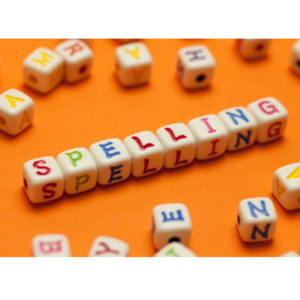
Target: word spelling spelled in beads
x,y
253,48
50,245
170,223
256,219
175,249
16,111
286,186
133,64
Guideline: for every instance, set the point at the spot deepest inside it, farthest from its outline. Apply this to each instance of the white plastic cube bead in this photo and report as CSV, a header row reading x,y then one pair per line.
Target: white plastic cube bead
x,y
178,143
43,179
147,155
112,159
78,58
271,118
295,58
211,136
133,64
171,223
79,169
175,249
290,254
50,245
104,246
43,70
195,66
16,111
286,186
253,48
241,127
256,219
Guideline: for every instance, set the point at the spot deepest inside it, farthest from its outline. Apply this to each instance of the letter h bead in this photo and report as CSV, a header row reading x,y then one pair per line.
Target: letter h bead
x,y
112,159
170,223
256,219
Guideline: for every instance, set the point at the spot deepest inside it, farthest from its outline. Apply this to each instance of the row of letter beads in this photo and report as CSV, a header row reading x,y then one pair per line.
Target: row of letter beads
x,y
144,153
16,111
44,69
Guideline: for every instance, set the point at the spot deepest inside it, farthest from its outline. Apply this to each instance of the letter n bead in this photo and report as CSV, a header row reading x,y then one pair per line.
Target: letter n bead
x,y
256,219
43,179
170,223
271,118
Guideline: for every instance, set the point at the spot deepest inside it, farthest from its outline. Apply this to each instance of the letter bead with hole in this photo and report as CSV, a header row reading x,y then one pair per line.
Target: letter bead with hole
x,y
79,169
43,179
16,111
43,70
50,245
104,246
256,219
133,64
178,143
171,223
286,186
241,127
211,136
271,118
175,249
112,159
253,48
195,66
147,155
78,58
295,58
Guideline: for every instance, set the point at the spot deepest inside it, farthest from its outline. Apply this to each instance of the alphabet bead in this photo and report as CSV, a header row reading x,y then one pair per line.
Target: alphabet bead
x,y
50,245
256,219
16,111
286,186
271,118
43,179
175,249
170,223
253,48
79,169
43,70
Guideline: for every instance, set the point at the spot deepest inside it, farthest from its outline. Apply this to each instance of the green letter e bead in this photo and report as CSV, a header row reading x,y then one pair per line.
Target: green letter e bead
x,y
73,160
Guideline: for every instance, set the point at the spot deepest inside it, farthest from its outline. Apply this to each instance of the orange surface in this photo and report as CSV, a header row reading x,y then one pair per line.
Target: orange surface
x,y
98,108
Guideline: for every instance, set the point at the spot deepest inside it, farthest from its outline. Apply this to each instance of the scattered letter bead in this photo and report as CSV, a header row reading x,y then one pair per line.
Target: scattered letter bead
x,y
147,155
112,159
133,64
178,144
175,249
78,58
286,186
290,254
241,127
43,70
195,66
295,57
104,246
50,245
253,48
256,219
79,169
16,111
211,136
271,118
170,223
43,179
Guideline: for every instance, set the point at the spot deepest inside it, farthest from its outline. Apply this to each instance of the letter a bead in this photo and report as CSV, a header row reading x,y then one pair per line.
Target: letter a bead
x,y
175,249
43,179
256,219
16,111
170,223
50,245
286,186
43,70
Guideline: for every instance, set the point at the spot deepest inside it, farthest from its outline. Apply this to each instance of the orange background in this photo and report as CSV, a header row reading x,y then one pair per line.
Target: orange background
x,y
98,108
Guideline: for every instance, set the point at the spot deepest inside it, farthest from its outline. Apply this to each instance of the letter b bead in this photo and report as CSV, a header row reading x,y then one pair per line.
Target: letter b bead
x,y
170,223
256,219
